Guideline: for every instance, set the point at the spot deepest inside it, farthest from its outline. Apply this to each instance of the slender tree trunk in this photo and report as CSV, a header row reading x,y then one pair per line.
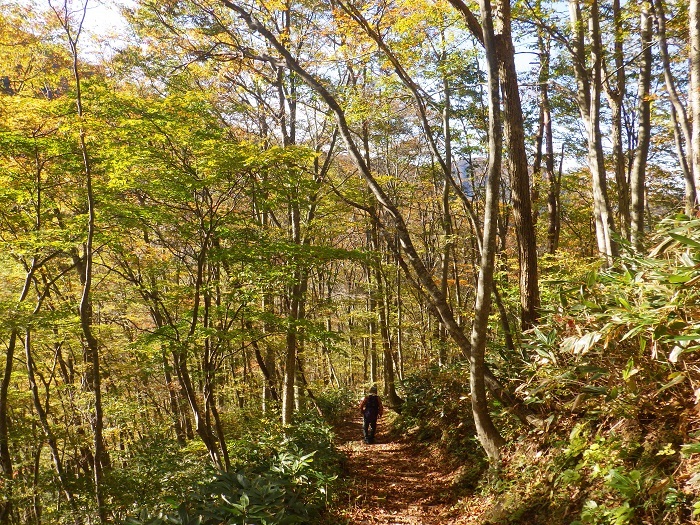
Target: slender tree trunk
x,y
180,357
200,426
209,379
173,401
50,437
505,324
548,143
372,324
638,175
36,499
269,389
92,351
517,166
601,204
694,21
5,456
379,293
296,314
294,337
489,437
332,375
681,126
446,212
399,324
616,95
290,360
271,378
588,97
300,384
218,426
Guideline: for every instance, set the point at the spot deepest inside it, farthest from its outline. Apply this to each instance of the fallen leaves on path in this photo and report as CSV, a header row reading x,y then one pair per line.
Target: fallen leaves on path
x,y
390,482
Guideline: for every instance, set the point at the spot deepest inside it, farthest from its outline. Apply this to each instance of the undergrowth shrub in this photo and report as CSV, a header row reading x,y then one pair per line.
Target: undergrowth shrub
x,y
169,468
334,403
437,408
278,476
613,369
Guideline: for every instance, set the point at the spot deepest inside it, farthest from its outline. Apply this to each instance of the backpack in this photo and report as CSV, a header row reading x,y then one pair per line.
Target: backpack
x,y
371,407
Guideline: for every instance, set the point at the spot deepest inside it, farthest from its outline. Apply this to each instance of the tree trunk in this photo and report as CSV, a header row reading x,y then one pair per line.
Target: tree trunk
x,y
91,350
372,325
446,212
5,456
380,300
616,94
681,126
517,166
209,379
588,97
638,174
200,425
173,399
50,437
267,364
548,140
694,21
399,324
290,371
489,437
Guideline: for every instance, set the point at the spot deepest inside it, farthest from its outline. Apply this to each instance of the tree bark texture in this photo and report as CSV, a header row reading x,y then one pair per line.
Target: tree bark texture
x,y
589,85
489,437
694,21
638,174
290,356
553,224
92,350
682,128
5,456
616,94
517,166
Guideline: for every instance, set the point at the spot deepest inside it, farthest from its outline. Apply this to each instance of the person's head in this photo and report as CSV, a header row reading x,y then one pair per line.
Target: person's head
x,y
373,389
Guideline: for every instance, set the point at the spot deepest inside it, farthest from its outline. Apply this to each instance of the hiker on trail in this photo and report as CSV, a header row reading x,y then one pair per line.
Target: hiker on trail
x,y
371,408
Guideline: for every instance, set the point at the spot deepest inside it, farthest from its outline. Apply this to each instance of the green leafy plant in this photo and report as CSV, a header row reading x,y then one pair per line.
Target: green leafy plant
x,y
281,483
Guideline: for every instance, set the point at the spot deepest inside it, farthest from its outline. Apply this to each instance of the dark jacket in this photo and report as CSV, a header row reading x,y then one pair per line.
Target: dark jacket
x,y
369,408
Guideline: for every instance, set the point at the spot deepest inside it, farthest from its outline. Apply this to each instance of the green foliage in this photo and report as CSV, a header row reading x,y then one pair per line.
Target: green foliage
x,y
437,408
154,458
283,495
624,327
277,479
613,369
334,403
620,489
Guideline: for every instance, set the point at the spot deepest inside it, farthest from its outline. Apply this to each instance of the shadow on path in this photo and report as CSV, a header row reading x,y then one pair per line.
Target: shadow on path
x,y
390,482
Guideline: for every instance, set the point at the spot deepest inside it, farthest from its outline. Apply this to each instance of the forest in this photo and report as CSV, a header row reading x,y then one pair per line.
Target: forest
x,y
223,221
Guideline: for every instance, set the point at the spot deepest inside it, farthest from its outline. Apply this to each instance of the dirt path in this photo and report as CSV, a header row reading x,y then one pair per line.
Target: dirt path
x,y
390,482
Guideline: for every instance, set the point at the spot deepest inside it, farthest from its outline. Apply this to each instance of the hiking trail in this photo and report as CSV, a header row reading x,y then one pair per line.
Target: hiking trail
x,y
391,482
